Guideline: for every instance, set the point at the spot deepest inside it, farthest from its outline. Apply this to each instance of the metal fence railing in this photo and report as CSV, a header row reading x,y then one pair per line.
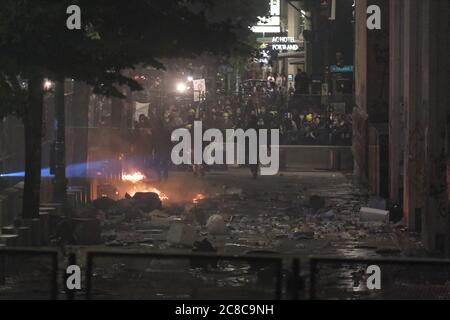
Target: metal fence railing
x,y
409,279
182,276
33,274
27,273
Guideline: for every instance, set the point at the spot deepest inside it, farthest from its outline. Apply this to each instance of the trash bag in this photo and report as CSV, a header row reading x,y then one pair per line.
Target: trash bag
x,y
147,201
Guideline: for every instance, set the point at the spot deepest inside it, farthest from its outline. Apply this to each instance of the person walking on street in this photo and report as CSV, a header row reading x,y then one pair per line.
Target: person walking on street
x,y
162,146
253,124
301,82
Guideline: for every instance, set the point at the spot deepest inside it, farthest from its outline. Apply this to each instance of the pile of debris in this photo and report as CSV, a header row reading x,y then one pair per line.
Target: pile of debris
x,y
87,222
233,220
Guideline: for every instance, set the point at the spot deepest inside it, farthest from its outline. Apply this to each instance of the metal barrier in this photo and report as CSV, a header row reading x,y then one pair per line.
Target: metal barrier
x,y
276,261
406,278
329,277
14,252
317,103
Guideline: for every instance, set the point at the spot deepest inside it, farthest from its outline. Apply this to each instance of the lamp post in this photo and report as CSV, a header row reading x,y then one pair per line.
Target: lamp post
x,y
60,180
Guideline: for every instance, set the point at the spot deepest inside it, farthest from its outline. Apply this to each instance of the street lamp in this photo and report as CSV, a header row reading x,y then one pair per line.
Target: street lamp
x,y
190,78
181,87
48,85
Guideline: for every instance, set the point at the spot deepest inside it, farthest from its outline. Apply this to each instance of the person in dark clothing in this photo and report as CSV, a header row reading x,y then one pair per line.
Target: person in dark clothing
x,y
143,122
253,124
301,82
162,146
267,118
196,168
141,142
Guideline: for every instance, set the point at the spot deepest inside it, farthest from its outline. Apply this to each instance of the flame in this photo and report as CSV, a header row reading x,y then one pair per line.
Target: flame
x,y
161,195
135,177
199,197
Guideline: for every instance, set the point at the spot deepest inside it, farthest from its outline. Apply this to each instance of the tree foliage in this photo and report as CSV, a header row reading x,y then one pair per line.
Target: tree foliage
x,y
116,35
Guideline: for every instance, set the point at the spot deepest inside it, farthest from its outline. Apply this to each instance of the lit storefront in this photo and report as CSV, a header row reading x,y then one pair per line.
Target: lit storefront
x,y
282,48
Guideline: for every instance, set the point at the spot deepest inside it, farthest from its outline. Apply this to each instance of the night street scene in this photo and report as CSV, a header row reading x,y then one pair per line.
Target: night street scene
x,y
211,150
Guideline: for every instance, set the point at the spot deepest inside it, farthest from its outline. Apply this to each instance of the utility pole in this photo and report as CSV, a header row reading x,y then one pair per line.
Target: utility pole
x,y
317,63
60,180
333,10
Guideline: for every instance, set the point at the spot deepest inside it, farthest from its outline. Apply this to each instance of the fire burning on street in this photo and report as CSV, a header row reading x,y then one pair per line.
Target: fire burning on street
x,y
139,185
199,197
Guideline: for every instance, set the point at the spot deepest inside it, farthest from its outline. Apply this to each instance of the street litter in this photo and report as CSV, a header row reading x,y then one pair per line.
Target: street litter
x,y
216,225
303,233
232,191
374,215
159,218
182,234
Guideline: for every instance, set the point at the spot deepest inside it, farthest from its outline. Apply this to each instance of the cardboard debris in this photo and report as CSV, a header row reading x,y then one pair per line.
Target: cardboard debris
x,y
182,234
216,225
159,218
374,215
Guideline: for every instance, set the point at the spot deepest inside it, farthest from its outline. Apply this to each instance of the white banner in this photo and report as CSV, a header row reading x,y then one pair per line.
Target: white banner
x,y
141,108
199,89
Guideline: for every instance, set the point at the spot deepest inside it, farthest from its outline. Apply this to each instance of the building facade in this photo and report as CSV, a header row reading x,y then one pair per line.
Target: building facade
x,y
401,114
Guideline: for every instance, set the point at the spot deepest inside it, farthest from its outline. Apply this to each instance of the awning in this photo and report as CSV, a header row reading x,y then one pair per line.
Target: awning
x,y
297,61
293,54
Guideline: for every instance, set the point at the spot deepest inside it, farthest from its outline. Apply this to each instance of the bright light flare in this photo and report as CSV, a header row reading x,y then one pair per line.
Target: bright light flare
x,y
48,85
160,194
137,179
181,87
199,197
134,177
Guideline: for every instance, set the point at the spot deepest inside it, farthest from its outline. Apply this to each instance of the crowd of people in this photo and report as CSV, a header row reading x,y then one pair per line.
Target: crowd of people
x,y
260,105
311,128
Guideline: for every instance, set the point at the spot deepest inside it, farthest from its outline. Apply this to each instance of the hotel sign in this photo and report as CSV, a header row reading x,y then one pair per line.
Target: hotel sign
x,y
285,44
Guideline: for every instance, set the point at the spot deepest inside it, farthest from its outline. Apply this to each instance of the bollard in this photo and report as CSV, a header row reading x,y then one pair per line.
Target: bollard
x,y
296,279
335,159
8,230
35,231
72,199
15,204
58,208
4,210
53,217
24,236
283,160
2,266
9,240
45,230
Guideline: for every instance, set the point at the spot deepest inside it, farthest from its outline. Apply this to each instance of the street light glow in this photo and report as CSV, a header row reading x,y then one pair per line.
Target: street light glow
x,y
47,85
181,87
190,78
